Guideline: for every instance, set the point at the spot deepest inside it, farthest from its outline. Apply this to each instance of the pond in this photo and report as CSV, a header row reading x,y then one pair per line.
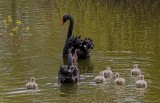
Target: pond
x,y
124,32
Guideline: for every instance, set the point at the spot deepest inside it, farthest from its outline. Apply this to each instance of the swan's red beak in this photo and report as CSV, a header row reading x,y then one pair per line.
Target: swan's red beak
x,y
62,22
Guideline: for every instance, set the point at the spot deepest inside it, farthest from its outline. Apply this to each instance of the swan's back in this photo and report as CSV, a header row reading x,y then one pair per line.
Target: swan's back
x,y
69,73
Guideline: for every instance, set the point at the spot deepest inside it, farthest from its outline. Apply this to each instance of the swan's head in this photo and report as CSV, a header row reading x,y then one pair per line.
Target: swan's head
x,y
32,79
117,75
135,66
65,18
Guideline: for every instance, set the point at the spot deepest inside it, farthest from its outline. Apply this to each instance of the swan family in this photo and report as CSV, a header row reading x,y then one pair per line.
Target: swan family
x,y
76,48
71,74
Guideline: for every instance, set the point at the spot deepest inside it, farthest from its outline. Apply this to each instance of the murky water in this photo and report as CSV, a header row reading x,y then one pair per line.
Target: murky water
x,y
124,33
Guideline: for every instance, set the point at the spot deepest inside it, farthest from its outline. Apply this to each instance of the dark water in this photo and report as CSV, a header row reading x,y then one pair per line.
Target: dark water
x,y
125,32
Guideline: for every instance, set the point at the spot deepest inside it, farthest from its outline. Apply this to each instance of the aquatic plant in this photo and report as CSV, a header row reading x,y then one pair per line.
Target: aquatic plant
x,y
13,29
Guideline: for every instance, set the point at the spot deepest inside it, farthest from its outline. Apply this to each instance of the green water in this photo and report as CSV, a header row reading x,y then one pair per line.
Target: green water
x,y
125,32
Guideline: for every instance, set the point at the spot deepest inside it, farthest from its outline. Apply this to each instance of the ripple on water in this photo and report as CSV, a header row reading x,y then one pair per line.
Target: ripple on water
x,y
22,92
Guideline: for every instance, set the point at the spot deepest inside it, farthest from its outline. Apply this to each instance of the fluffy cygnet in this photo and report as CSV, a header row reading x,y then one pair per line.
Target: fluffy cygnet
x,y
119,80
135,70
141,83
108,73
100,78
32,84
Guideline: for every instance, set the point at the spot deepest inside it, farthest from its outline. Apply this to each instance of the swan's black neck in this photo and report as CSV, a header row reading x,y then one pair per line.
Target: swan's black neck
x,y
70,27
70,60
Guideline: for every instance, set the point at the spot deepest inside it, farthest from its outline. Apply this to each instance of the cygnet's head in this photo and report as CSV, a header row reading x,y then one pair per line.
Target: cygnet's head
x,y
101,73
135,66
32,79
117,75
108,68
141,77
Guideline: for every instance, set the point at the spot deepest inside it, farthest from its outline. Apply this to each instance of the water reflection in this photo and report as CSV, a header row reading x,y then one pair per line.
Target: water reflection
x,y
85,66
68,90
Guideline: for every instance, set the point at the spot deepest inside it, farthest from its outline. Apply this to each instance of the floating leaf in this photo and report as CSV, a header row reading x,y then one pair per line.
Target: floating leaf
x,y
15,29
9,19
27,28
15,43
31,34
4,22
8,27
18,22
11,34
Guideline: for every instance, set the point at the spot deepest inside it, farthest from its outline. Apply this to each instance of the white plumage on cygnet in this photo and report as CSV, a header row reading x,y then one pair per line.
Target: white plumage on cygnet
x,y
119,80
141,83
32,84
135,70
100,78
108,73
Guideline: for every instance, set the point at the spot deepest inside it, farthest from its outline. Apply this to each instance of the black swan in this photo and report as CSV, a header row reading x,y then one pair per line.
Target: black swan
x,y
32,84
69,73
84,47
